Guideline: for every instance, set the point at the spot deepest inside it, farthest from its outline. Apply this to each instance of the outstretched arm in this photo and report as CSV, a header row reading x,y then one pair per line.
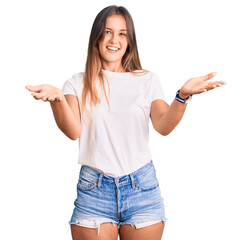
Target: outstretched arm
x,y
65,108
165,118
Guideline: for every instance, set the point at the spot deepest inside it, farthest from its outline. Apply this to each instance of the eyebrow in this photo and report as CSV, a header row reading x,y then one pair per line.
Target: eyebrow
x,y
119,30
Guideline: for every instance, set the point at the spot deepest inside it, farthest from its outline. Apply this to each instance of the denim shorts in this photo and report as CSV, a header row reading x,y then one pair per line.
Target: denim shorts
x,y
133,199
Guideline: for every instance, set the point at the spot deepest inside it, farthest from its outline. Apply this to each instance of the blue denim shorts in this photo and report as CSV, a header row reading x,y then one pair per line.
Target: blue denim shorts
x,y
133,199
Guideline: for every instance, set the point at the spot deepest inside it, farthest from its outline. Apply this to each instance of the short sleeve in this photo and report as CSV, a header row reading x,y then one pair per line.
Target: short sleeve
x,y
68,88
157,91
73,85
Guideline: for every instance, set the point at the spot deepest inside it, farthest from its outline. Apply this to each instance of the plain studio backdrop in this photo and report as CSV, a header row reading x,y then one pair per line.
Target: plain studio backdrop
x,y
203,166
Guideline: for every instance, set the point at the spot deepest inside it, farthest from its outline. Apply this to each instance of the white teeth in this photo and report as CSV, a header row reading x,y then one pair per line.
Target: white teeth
x,y
113,48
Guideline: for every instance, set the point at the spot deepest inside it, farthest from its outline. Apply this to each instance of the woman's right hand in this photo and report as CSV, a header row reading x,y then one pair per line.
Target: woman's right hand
x,y
46,92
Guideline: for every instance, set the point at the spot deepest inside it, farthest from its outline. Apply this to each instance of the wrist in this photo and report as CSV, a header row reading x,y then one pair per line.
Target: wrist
x,y
183,98
183,95
60,94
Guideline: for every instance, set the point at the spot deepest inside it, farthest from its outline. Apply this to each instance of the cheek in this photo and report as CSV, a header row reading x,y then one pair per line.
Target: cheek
x,y
125,44
101,44
101,47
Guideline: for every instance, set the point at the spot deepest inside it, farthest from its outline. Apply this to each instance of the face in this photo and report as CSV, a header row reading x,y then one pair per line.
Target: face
x,y
114,42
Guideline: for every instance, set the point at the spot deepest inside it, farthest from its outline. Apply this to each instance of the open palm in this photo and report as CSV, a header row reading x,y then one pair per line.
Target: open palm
x,y
45,92
201,84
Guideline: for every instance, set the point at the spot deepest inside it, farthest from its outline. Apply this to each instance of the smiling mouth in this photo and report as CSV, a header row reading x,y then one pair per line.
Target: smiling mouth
x,y
113,49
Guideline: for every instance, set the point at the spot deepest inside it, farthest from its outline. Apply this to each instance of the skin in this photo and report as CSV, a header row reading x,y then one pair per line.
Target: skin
x,y
115,36
164,118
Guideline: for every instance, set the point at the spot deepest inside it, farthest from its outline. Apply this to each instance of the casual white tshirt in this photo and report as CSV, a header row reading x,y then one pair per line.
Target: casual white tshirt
x,y
115,140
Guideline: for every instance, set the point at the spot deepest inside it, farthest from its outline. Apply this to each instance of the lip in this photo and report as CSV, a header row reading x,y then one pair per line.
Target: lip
x,y
112,48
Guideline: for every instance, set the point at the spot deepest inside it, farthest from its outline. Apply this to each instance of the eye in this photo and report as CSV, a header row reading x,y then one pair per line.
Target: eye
x,y
122,34
108,32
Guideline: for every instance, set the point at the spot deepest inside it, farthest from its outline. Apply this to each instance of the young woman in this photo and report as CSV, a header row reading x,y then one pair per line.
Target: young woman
x,y
108,109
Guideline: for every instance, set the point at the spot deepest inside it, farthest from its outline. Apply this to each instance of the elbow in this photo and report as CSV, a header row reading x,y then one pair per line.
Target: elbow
x,y
164,133
73,137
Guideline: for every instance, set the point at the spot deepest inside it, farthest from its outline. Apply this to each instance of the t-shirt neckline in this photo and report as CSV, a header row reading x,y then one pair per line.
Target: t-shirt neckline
x,y
110,72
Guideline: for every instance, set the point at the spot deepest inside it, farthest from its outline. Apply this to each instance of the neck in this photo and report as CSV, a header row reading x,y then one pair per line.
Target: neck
x,y
113,67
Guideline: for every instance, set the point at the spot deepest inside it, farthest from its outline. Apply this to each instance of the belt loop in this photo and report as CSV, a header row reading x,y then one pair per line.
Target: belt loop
x,y
100,180
132,181
116,181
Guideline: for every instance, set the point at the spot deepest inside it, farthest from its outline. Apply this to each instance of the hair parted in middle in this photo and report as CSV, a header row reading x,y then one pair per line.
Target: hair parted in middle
x,y
93,70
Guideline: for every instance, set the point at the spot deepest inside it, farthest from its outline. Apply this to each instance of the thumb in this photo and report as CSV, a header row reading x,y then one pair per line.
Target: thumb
x,y
33,88
209,76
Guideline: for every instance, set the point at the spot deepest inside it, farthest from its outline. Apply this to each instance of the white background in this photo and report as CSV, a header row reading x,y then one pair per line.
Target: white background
x,y
203,166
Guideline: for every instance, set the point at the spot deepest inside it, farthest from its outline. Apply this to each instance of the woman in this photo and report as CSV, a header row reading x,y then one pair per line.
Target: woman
x,y
108,108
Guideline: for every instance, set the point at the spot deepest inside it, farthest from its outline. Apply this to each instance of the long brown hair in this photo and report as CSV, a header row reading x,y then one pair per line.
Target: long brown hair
x,y
93,71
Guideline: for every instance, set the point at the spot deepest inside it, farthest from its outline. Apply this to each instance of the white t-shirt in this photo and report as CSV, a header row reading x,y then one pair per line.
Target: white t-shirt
x,y
115,141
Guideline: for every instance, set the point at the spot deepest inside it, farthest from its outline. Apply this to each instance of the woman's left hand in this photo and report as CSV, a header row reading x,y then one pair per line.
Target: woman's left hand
x,y
198,85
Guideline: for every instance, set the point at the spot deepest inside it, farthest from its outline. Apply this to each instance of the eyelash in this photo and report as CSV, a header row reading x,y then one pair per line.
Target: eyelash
x,y
121,34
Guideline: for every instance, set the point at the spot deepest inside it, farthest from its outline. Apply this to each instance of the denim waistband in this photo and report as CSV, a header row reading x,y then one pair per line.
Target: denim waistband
x,y
95,175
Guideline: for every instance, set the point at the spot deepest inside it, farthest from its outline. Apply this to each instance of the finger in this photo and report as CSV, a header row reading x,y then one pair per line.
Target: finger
x,y
218,83
211,87
33,88
51,99
54,98
44,98
208,76
37,95
57,98
202,90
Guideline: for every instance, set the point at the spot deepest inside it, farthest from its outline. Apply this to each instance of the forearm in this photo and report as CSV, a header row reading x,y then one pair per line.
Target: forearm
x,y
65,119
171,117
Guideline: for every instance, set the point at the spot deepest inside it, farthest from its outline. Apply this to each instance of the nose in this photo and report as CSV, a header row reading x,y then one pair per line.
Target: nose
x,y
114,38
